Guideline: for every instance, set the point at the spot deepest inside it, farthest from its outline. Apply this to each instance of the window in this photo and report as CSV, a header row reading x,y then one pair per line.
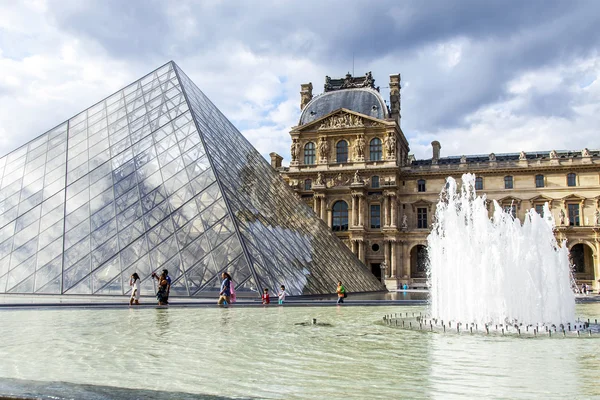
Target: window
x,y
341,151
511,209
422,218
375,149
308,184
340,216
573,214
571,179
375,216
539,208
479,183
375,181
539,181
309,153
508,182
421,185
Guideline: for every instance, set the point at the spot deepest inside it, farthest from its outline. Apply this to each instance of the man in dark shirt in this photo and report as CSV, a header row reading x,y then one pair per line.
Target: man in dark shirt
x,y
166,272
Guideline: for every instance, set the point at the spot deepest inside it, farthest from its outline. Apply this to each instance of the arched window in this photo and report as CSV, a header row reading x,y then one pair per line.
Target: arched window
x,y
421,185
539,181
341,151
374,181
508,182
571,179
479,183
340,216
309,153
308,184
375,149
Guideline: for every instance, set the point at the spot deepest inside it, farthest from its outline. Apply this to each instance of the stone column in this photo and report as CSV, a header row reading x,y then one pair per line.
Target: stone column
x,y
323,209
393,210
329,219
399,260
393,259
386,202
360,210
581,216
316,203
386,253
361,251
406,257
353,221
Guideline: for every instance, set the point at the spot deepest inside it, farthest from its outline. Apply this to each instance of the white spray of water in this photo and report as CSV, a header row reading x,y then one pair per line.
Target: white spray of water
x,y
496,270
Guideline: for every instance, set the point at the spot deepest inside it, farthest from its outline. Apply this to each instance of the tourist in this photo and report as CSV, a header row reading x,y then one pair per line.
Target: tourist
x,y
225,293
161,294
281,295
266,299
232,295
168,278
134,282
341,292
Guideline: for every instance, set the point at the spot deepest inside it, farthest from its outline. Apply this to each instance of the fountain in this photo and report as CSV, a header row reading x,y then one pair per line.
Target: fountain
x,y
495,275
496,271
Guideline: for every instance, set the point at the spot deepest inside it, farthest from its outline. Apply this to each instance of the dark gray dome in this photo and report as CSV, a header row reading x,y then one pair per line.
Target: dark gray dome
x,y
362,100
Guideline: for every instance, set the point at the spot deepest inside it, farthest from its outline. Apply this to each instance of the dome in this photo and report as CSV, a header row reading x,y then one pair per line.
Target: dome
x,y
365,101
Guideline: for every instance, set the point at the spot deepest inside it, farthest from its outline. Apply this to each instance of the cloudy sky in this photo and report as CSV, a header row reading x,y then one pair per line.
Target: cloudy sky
x,y
478,76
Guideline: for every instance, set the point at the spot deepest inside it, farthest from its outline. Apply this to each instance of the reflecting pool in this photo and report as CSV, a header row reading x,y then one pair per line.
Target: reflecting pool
x,y
265,353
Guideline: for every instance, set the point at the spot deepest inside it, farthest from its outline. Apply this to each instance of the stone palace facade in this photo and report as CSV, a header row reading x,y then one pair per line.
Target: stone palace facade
x,y
350,162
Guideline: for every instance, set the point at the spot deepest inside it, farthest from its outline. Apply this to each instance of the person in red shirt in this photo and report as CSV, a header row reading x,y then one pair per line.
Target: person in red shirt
x,y
265,297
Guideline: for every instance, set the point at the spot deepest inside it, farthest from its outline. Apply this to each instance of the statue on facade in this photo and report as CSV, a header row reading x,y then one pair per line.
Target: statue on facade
x,y
295,150
597,217
390,145
359,147
522,156
553,154
369,81
463,159
404,224
323,149
357,178
585,153
319,180
384,269
561,216
492,157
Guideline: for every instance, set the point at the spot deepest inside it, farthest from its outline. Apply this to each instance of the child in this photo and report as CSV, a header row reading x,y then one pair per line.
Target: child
x,y
265,297
134,282
281,295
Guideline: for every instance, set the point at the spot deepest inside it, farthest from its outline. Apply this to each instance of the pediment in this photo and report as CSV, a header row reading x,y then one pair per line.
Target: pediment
x,y
573,197
341,118
421,204
509,199
541,199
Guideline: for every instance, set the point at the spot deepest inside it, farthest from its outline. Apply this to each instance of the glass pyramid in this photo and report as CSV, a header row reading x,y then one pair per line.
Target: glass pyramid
x,y
155,177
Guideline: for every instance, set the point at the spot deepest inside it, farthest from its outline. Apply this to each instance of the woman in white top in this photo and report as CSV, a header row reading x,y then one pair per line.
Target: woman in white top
x,y
134,282
281,295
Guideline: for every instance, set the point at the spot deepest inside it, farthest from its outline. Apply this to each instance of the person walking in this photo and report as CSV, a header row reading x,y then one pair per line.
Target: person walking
x,y
341,292
134,282
266,299
161,294
168,278
225,293
281,295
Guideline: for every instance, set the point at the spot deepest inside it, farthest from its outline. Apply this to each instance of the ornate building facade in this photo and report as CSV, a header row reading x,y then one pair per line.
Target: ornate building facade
x,y
350,162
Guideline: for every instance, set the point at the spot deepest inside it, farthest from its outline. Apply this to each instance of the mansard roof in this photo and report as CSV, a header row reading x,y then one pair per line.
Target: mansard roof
x,y
500,157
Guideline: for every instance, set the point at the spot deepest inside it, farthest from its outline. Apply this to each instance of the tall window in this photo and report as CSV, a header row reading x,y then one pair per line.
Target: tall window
x,y
571,179
340,216
422,218
341,151
375,149
308,184
539,181
573,214
309,153
375,216
539,208
421,185
375,182
479,183
511,209
508,182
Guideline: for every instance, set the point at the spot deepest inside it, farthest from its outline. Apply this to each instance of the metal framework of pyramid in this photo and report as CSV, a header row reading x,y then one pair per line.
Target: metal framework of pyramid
x,y
155,177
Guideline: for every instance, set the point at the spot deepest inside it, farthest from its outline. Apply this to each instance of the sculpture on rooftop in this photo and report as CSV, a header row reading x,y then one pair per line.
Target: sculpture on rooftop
x,y
492,157
522,156
585,153
553,155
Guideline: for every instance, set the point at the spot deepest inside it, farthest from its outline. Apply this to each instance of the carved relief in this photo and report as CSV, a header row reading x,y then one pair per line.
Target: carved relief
x,y
319,181
342,120
338,180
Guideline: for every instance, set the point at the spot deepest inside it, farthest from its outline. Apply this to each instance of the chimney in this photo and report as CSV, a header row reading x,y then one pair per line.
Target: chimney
x,y
436,151
305,94
395,97
275,160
